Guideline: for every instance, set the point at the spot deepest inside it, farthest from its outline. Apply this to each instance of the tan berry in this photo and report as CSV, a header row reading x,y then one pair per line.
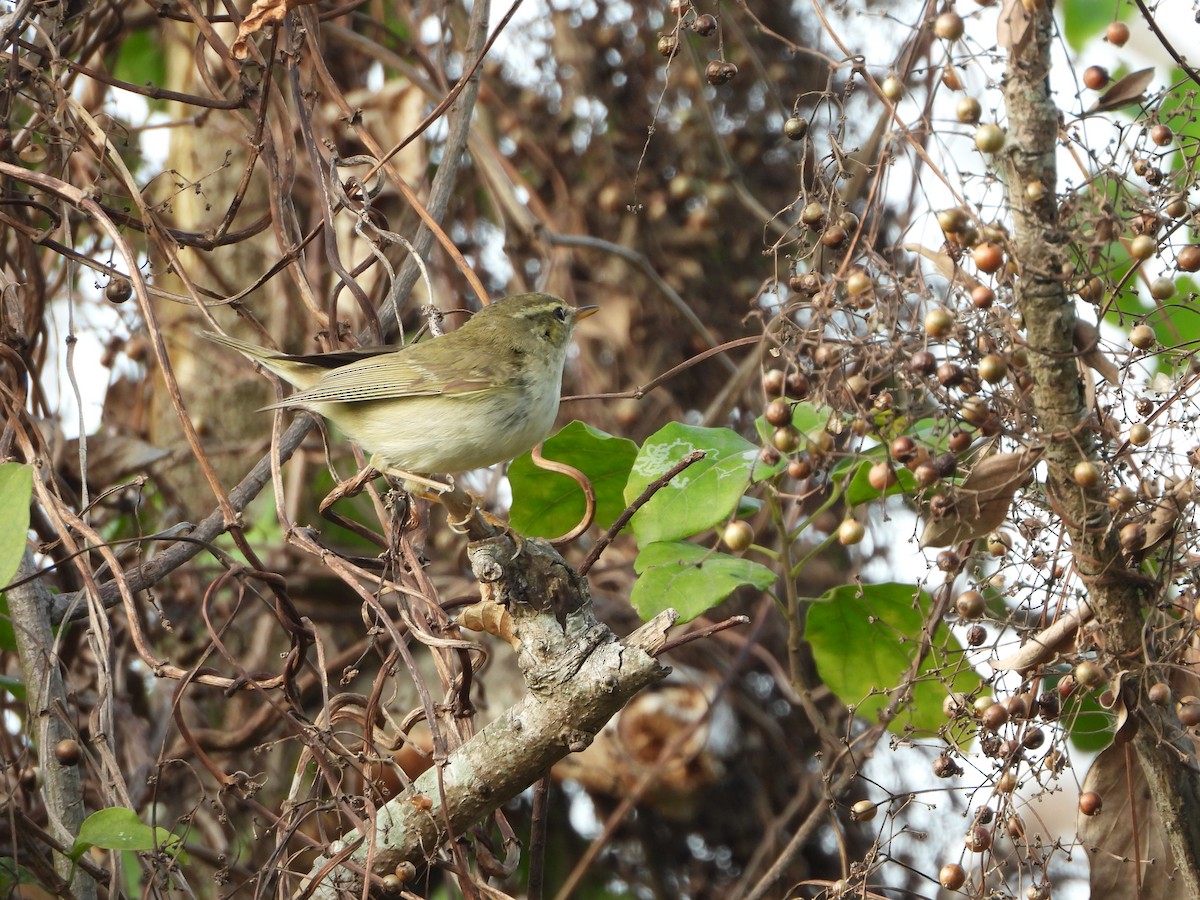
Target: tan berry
x,y
863,811
1142,246
1141,336
970,604
989,138
1139,434
948,26
938,322
968,110
1162,288
1086,474
738,536
851,532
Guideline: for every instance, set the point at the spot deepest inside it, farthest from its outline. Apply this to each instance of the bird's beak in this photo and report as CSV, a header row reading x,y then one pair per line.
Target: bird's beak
x,y
583,312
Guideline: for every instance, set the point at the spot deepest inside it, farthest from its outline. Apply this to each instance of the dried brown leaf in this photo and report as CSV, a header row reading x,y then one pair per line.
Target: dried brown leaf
x,y
946,266
262,13
1125,832
982,501
1167,513
1087,342
1130,89
1013,28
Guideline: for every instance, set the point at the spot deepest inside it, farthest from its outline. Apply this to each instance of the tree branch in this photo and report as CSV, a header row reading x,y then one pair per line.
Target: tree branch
x,y
578,676
1040,244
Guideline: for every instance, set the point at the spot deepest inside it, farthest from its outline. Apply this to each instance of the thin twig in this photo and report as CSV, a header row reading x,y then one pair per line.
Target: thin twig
x,y
622,520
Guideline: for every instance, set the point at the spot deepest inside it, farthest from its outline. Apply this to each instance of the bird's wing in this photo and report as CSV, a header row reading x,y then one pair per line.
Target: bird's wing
x,y
381,378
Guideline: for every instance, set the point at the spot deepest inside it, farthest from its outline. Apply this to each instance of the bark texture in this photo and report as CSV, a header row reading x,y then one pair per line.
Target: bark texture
x,y
1116,589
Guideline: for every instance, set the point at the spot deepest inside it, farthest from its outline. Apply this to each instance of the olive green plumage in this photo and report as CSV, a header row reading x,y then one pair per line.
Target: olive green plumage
x,y
481,394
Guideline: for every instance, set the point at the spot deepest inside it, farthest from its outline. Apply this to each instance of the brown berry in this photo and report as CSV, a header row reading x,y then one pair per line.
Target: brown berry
x,y
923,362
993,368
719,72
945,767
705,24
1188,710
1161,135
995,716
968,110
118,290
68,752
795,128
982,297
778,413
903,449
800,468
1034,738
959,441
1117,33
970,604
834,236
1159,693
1188,259
668,45
1095,78
978,839
880,476
1090,803
1089,674
988,257
952,876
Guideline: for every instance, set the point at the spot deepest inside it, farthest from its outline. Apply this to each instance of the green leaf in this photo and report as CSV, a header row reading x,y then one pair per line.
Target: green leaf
x,y
704,494
864,639
690,578
8,638
140,60
118,828
1089,725
1083,20
547,504
13,874
16,490
14,686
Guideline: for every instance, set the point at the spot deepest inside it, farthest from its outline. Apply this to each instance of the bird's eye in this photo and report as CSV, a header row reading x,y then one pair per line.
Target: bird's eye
x,y
560,313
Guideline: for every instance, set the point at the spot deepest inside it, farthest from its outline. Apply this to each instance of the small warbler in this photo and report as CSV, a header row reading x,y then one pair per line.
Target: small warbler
x,y
482,394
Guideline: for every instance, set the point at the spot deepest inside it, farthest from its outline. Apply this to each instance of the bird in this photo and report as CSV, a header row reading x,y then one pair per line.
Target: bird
x,y
482,394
